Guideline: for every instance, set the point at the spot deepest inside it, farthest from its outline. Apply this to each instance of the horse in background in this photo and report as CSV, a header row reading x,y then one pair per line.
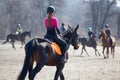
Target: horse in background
x,y
92,43
17,37
40,51
107,44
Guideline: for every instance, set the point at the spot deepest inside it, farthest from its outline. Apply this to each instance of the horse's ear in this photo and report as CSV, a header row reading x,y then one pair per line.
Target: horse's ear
x,y
69,26
77,25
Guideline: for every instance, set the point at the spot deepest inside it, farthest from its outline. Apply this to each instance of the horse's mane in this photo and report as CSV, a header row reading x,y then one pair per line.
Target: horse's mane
x,y
68,30
26,32
104,33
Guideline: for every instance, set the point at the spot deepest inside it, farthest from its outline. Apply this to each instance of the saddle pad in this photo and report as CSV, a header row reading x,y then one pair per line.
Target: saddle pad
x,y
56,48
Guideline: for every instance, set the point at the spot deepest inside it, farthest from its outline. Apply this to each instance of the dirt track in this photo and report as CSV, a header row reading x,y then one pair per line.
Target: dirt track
x,y
78,67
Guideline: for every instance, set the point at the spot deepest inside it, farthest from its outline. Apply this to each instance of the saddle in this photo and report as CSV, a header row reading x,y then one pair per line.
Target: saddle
x,y
56,48
91,41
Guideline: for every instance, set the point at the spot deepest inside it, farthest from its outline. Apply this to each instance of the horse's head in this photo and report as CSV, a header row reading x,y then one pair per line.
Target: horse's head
x,y
29,33
26,33
72,36
102,34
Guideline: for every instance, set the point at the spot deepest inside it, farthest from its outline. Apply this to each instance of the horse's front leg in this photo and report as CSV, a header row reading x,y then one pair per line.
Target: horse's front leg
x,y
21,44
86,51
107,52
12,42
62,76
58,73
97,51
103,52
81,51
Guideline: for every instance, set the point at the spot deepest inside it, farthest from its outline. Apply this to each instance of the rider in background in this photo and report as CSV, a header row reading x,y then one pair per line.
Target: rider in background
x,y
90,34
19,29
63,28
51,24
108,32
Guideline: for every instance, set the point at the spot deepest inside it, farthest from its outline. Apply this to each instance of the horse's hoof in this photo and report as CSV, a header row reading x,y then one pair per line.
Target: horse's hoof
x,y
105,58
99,54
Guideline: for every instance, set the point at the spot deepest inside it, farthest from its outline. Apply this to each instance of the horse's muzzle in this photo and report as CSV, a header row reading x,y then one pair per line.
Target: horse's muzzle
x,y
77,46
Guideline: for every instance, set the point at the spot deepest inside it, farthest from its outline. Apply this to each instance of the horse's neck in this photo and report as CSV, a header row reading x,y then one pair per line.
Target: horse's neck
x,y
105,38
24,34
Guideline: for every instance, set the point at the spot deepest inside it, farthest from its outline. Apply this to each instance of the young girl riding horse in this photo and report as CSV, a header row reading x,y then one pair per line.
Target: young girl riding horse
x,y
90,35
42,52
51,24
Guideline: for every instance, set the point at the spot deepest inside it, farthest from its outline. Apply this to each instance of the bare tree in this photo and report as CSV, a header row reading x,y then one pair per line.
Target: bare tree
x,y
100,9
118,23
29,13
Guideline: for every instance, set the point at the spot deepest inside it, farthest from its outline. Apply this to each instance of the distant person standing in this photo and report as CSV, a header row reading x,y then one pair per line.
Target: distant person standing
x,y
63,28
19,29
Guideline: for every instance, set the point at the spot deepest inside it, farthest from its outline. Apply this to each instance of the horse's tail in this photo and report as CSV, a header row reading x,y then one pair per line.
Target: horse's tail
x,y
7,39
29,47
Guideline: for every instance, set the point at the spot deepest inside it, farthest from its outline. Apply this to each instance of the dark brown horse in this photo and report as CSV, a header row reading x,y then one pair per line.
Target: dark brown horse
x,y
17,37
40,51
106,44
92,43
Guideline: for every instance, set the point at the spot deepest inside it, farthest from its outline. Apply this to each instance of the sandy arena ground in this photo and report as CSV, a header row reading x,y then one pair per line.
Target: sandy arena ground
x,y
77,68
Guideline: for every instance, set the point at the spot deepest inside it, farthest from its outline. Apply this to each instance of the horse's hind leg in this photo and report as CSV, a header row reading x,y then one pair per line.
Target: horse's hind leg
x,y
7,40
12,42
30,68
98,52
112,51
60,67
103,52
4,42
38,67
42,59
